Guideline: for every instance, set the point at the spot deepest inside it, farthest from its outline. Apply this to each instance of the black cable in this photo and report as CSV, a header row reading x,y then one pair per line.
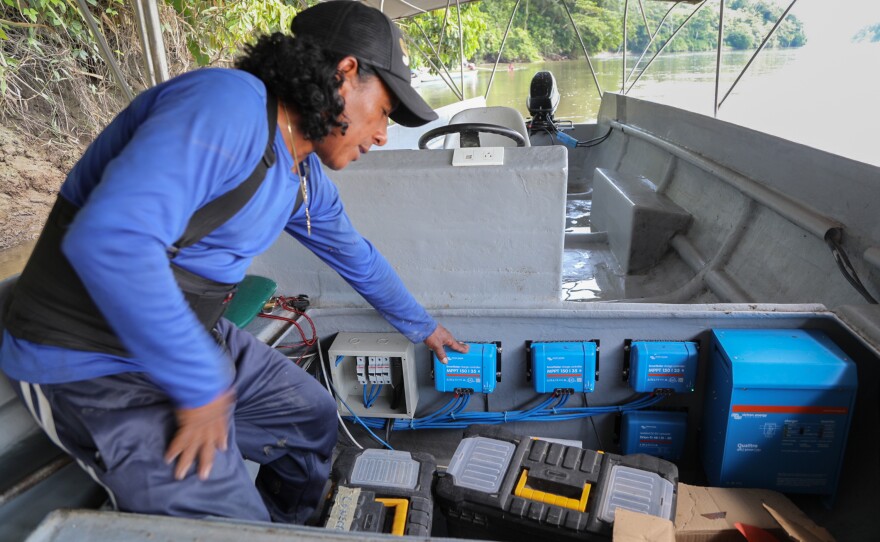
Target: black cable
x,y
543,127
593,423
846,267
595,141
533,127
388,425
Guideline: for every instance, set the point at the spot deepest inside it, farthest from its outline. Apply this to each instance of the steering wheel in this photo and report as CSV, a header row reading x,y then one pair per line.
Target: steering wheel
x,y
470,133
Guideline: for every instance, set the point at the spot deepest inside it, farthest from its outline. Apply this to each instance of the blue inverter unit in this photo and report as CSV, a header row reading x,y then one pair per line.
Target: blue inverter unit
x,y
474,372
777,410
658,433
569,366
663,366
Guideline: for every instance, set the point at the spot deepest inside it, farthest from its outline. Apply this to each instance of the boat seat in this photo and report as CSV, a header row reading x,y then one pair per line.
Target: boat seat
x,y
638,220
498,115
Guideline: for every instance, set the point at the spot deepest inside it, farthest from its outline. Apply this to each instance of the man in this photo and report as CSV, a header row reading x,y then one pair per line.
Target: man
x,y
112,335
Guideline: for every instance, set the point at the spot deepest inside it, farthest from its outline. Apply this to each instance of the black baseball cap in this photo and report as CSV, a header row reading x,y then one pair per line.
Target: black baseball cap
x,y
351,28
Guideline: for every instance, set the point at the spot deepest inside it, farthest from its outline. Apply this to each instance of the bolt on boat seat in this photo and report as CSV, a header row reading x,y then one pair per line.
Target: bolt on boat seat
x,y
498,115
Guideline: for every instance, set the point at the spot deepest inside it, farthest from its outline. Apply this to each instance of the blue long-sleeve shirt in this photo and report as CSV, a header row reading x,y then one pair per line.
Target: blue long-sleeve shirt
x,y
177,147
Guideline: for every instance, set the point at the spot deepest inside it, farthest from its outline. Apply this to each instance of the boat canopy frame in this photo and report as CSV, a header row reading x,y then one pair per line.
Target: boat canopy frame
x,y
719,47
156,64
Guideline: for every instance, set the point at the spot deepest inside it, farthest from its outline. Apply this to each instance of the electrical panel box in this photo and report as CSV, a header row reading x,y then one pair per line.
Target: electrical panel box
x,y
474,372
777,410
374,375
658,433
563,366
663,366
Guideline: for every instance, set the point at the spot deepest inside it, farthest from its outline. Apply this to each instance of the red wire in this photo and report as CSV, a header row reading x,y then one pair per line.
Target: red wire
x,y
283,303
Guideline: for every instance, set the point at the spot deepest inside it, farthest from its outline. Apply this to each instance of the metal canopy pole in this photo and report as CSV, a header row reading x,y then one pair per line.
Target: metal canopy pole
x,y
443,28
584,47
460,48
757,51
501,49
677,30
644,15
145,41
623,75
157,44
449,82
651,42
440,60
718,58
105,49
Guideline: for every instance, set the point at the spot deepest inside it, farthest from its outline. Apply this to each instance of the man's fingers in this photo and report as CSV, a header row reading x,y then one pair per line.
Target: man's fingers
x,y
459,346
206,461
201,431
184,462
441,355
174,449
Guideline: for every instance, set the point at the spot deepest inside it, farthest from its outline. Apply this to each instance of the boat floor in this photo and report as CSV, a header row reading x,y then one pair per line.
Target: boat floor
x,y
590,271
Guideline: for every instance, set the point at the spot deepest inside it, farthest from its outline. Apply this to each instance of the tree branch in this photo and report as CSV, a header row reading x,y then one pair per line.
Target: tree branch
x,y
22,25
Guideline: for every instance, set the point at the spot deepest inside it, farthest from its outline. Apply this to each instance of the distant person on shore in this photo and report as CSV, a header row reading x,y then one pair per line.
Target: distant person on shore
x,y
113,334
510,67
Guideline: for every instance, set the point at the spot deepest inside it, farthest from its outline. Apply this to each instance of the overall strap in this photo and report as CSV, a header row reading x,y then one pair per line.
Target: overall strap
x,y
216,212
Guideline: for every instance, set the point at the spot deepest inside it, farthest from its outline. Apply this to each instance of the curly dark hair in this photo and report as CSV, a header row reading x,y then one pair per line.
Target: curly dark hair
x,y
303,75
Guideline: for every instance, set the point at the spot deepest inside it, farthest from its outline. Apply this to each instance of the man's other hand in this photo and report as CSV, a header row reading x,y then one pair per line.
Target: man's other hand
x,y
200,431
440,338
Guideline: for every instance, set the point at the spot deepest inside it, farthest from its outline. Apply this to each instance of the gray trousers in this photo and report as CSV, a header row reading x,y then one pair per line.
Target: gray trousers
x,y
118,428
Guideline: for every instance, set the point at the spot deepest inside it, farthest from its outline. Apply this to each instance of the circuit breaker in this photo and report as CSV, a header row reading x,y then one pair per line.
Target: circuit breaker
x,y
374,375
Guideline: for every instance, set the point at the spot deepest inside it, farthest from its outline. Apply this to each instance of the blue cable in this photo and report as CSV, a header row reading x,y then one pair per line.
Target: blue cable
x,y
375,395
375,390
452,415
357,418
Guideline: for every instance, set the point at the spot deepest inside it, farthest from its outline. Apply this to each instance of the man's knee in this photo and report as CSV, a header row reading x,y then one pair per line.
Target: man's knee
x,y
323,424
326,406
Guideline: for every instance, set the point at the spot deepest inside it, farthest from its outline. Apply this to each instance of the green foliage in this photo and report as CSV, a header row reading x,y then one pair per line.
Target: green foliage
x,y
45,26
221,27
473,32
542,28
746,23
869,33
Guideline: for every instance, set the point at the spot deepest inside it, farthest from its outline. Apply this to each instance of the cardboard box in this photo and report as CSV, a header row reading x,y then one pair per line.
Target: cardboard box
x,y
632,526
710,514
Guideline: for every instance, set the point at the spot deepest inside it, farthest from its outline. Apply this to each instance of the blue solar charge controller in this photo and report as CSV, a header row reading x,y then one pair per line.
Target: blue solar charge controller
x,y
663,366
476,372
658,433
569,366
777,410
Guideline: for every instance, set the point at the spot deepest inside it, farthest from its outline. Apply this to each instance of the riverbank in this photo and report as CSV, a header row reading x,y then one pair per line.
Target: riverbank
x,y
31,173
12,260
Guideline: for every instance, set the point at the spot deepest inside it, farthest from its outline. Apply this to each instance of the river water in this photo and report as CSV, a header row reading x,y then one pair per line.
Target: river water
x,y
824,97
